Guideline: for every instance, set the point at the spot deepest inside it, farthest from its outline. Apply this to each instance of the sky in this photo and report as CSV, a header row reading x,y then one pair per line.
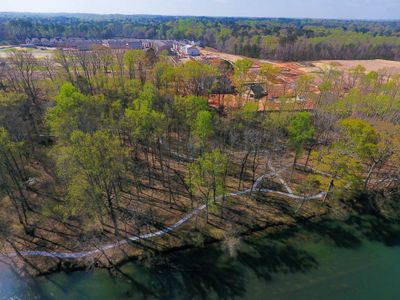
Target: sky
x,y
337,9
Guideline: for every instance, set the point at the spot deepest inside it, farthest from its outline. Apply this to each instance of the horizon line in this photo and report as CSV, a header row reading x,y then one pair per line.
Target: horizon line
x,y
198,16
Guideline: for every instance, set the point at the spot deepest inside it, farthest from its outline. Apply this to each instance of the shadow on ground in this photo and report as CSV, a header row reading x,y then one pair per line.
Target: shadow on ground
x,y
209,272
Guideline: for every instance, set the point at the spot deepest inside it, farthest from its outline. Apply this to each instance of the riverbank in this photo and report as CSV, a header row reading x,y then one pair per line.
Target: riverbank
x,y
231,216
337,259
269,206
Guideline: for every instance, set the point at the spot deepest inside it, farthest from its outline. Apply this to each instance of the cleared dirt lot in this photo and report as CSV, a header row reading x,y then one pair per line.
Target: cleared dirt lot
x,y
388,66
230,57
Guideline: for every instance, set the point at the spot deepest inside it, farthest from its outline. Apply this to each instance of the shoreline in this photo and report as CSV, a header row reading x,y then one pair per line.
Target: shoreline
x,y
270,228
102,250
116,254
69,266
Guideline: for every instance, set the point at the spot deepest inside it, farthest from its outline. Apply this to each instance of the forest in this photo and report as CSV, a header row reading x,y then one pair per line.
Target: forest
x,y
101,146
282,39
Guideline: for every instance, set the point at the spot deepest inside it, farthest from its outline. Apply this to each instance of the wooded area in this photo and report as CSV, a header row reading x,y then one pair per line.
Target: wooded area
x,y
100,145
283,39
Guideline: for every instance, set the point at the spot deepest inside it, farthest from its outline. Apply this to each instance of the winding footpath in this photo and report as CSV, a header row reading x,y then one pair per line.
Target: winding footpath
x,y
83,254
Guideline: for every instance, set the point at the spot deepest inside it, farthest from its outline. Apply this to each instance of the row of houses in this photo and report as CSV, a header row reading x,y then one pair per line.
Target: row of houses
x,y
123,44
180,47
77,43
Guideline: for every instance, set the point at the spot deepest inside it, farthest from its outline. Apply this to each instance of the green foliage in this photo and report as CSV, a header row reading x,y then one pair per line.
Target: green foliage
x,y
241,71
104,118
242,66
11,166
325,86
207,175
303,84
267,38
224,34
300,130
249,109
164,74
14,114
269,71
344,170
361,138
131,59
203,126
7,145
197,78
9,150
276,122
125,92
346,37
271,42
189,107
248,113
141,121
378,101
91,165
74,111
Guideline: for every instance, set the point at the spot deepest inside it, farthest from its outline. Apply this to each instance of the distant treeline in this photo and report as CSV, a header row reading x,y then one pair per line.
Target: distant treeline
x,y
285,39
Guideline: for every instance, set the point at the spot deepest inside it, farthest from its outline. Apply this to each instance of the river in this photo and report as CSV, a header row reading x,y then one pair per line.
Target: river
x,y
354,259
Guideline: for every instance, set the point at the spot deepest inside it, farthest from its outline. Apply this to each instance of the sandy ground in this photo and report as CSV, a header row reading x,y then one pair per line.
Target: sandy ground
x,y
387,66
230,57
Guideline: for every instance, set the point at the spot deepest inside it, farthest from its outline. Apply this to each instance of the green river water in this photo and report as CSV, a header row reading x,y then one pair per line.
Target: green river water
x,y
355,259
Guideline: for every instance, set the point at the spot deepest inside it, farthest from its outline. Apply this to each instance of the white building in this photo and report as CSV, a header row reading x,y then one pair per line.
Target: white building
x,y
191,50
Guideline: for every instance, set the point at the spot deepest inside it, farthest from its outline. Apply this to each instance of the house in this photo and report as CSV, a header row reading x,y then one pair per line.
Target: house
x,y
185,48
123,44
135,45
256,91
35,41
114,44
160,46
147,44
85,45
191,50
44,42
176,46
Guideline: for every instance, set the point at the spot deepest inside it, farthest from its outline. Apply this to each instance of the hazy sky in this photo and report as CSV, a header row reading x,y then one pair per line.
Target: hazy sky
x,y
344,9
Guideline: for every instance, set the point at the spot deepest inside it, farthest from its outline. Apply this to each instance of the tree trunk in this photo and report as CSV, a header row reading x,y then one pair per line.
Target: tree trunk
x,y
294,166
331,184
146,154
207,211
301,205
254,169
112,213
308,159
242,169
371,170
160,158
